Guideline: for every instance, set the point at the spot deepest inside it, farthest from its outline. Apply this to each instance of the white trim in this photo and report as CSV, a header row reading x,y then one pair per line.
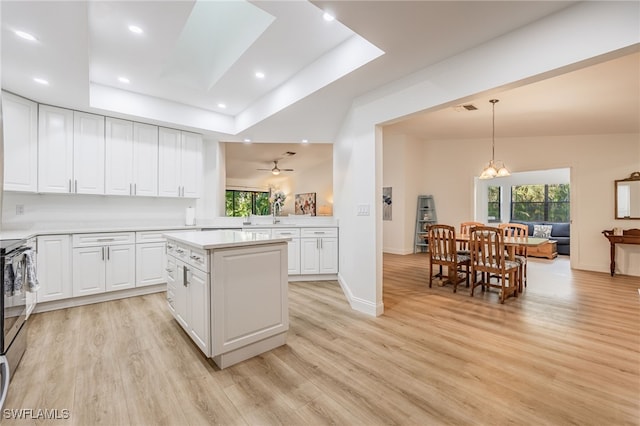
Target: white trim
x,y
400,251
97,298
314,277
358,304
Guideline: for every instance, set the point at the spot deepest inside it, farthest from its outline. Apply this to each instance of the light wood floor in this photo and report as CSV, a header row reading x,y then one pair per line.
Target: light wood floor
x,y
565,352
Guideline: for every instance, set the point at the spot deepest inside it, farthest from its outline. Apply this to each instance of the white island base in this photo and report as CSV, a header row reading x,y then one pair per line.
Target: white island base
x,y
229,291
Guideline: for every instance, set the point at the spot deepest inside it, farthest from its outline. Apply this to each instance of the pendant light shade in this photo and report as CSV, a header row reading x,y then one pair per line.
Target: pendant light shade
x,y
494,168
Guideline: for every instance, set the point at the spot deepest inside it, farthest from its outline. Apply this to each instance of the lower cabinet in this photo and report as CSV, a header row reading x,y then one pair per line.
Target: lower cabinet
x,y
293,251
150,264
189,299
319,251
54,267
103,262
103,268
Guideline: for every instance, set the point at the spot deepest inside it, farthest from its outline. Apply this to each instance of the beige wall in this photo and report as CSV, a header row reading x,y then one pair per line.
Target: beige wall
x,y
595,161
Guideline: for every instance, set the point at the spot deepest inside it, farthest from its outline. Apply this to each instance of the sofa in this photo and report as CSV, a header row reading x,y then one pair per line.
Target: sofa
x,y
560,232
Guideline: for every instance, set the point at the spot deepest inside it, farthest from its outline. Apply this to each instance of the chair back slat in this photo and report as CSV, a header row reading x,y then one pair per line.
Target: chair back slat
x,y
465,229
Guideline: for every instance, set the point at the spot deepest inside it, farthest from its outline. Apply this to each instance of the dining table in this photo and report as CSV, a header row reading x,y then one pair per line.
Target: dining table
x,y
511,243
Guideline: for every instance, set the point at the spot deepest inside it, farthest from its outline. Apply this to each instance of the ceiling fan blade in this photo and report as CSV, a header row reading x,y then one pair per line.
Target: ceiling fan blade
x,y
287,170
265,170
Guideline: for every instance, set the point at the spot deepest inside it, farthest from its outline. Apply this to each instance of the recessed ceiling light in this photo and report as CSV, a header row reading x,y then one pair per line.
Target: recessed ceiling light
x,y
305,140
259,75
41,81
221,105
124,80
328,17
135,29
247,140
25,36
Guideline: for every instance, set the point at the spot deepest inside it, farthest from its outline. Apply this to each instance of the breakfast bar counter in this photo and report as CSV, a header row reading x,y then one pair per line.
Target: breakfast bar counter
x,y
229,291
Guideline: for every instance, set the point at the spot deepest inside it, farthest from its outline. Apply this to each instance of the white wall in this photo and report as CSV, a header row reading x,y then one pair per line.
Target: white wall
x,y
318,179
61,210
595,161
546,46
403,172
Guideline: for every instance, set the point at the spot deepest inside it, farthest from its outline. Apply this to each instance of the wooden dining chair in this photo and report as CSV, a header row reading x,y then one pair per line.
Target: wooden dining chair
x,y
465,229
520,234
488,257
442,252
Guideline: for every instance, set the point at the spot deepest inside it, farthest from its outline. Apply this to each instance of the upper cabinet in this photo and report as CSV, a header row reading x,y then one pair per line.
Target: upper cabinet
x,y
88,153
70,151
55,149
132,158
20,119
179,163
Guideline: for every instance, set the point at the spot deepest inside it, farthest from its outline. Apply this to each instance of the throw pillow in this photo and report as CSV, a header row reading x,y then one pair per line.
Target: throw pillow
x,y
541,231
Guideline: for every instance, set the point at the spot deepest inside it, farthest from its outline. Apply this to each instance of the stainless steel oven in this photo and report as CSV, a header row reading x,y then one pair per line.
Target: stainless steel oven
x,y
13,340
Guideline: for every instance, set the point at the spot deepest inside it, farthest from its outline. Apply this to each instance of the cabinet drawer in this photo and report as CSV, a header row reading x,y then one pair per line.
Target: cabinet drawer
x,y
286,232
319,232
152,236
103,239
199,259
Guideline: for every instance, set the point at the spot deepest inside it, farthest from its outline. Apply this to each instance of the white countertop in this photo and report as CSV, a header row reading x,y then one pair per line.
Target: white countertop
x,y
211,240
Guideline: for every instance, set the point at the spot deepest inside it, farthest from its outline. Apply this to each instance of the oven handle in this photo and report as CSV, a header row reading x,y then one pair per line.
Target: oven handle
x,y
4,364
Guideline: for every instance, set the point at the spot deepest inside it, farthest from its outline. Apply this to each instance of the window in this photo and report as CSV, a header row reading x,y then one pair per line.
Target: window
x,y
540,203
494,204
245,203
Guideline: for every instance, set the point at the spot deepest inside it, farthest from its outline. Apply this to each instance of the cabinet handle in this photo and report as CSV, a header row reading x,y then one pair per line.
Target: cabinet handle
x,y
105,239
130,190
178,190
108,252
69,185
319,232
135,189
168,270
321,244
184,276
76,186
102,253
179,250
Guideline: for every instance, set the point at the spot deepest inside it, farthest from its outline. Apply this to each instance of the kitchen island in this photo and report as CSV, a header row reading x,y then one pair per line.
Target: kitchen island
x,y
228,291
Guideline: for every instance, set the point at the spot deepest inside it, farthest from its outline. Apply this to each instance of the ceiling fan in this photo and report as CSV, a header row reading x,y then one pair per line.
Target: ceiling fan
x,y
276,170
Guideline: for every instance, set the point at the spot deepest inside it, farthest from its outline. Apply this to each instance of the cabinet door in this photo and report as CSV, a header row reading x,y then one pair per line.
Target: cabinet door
x,y
55,149
191,164
309,257
199,314
145,160
169,143
119,157
88,270
20,120
121,267
293,259
54,267
88,153
150,268
181,299
328,262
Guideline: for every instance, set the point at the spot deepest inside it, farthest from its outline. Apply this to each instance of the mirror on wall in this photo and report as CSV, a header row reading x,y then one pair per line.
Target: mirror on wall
x,y
627,193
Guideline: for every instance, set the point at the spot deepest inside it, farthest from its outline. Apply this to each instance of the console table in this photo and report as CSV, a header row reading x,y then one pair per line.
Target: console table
x,y
629,236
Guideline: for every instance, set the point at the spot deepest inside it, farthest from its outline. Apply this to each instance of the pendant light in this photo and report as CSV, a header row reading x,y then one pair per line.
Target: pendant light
x,y
494,168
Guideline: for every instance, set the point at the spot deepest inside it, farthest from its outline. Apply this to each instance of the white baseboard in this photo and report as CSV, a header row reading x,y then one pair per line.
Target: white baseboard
x,y
313,277
391,250
358,304
97,298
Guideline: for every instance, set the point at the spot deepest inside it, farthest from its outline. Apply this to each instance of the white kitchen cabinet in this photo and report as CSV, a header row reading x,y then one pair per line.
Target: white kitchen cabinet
x,y
88,153
319,251
70,151
192,303
179,163
293,249
150,264
119,157
145,160
55,149
103,262
54,267
20,120
172,272
131,158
